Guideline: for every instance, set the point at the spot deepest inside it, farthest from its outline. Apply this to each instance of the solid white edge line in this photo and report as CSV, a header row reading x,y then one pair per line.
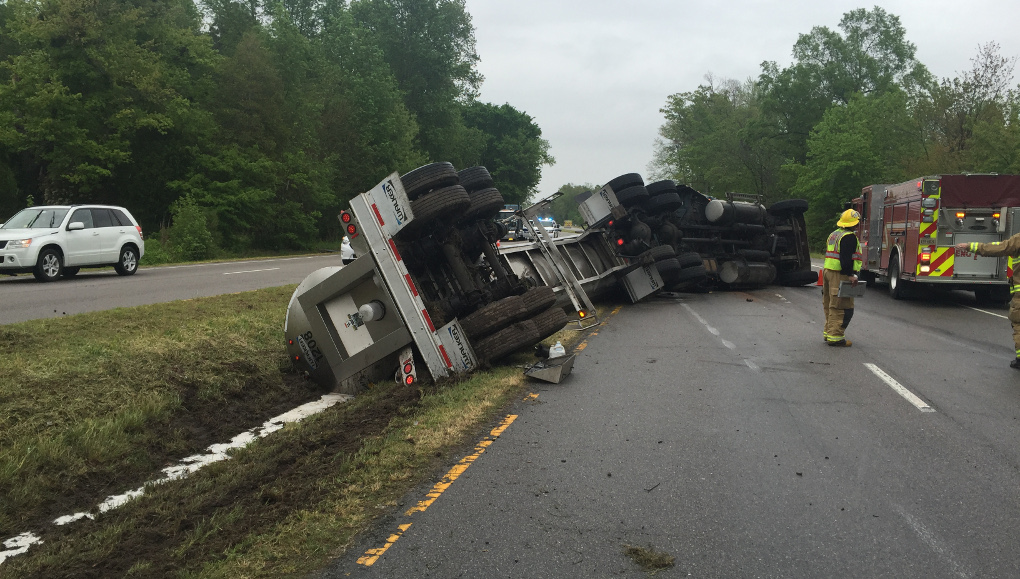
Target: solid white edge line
x,y
910,397
985,312
250,271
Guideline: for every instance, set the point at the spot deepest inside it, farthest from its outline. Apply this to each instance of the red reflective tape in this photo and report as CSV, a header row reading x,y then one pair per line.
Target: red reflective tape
x,y
410,284
937,263
378,215
393,246
446,358
432,328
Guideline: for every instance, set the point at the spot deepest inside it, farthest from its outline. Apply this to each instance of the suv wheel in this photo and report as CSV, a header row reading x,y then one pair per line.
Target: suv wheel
x,y
128,262
50,265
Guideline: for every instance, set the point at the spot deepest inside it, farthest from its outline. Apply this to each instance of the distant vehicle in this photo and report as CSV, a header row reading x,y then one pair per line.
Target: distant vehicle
x,y
346,251
550,225
58,240
516,231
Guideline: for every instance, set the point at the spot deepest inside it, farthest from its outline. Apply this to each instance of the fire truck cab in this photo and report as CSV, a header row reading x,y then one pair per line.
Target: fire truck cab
x,y
908,232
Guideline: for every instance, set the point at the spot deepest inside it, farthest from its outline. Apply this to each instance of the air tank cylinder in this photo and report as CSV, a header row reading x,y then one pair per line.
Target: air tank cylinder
x,y
740,272
723,212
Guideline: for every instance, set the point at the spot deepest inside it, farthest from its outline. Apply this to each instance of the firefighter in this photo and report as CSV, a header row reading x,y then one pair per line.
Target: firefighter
x,y
842,263
1010,248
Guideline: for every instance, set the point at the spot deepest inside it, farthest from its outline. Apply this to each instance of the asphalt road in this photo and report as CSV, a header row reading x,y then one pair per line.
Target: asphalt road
x,y
720,429
24,298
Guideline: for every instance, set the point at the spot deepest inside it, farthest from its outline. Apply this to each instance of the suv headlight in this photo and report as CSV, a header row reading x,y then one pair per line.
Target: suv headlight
x,y
19,243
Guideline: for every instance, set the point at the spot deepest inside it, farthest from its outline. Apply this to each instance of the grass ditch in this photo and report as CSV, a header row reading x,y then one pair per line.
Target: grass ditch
x,y
96,404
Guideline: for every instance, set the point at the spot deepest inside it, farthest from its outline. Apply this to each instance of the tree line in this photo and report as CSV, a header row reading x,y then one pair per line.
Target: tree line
x,y
854,108
257,119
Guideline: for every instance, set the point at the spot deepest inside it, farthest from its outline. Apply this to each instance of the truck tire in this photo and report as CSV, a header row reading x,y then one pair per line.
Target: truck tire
x,y
660,252
690,259
669,270
493,317
507,341
419,181
475,178
485,204
550,321
439,203
624,181
632,195
537,299
798,278
665,202
787,207
660,187
694,273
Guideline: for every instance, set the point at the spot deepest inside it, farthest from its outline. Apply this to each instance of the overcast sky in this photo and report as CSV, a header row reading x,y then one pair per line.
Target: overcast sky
x,y
594,73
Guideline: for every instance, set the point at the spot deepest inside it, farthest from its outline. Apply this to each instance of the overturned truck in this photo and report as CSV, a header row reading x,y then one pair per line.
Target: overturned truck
x,y
432,295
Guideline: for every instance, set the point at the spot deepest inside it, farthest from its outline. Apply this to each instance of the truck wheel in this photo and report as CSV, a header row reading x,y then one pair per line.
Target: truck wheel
x,y
798,278
664,202
660,187
419,181
632,195
788,207
660,252
549,322
439,203
898,288
485,204
493,317
537,299
690,259
507,341
475,178
624,181
669,270
992,295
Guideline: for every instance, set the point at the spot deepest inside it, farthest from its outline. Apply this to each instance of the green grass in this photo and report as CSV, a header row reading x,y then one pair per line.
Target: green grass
x,y
97,404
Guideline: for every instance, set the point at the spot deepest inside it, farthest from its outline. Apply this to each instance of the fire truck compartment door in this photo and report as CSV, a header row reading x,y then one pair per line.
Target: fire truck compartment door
x,y
967,264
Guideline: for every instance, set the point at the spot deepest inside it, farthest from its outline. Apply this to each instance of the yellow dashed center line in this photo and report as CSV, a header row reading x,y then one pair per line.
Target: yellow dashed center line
x,y
372,555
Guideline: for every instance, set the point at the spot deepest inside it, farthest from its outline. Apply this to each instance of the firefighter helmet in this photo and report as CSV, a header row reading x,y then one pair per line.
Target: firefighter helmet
x,y
849,218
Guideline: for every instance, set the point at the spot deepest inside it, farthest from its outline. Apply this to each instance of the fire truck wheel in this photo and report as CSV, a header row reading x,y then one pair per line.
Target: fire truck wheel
x,y
898,288
624,181
669,270
475,178
996,295
550,321
798,278
537,299
493,317
660,187
632,195
419,181
485,204
788,207
439,203
508,340
690,259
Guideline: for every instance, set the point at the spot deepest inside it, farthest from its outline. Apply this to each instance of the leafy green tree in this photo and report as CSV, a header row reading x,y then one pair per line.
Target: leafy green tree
x,y
188,236
861,143
512,148
712,141
870,56
85,82
430,48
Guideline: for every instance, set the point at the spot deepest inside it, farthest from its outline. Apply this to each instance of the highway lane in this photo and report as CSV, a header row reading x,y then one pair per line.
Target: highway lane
x,y
720,429
24,298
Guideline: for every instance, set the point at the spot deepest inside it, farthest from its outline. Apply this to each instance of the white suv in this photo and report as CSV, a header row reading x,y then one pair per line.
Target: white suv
x,y
58,240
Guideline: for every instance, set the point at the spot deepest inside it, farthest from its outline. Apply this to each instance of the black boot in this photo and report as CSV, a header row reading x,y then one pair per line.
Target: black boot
x,y
1015,363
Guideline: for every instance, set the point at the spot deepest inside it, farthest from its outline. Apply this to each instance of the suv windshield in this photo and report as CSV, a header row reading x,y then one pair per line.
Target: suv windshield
x,y
36,219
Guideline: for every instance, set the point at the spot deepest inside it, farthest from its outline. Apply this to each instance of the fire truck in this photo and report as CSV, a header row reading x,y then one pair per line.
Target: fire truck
x,y
908,232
